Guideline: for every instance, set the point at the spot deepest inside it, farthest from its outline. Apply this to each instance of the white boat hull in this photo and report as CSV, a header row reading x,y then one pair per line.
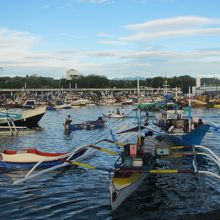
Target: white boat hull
x,y
114,115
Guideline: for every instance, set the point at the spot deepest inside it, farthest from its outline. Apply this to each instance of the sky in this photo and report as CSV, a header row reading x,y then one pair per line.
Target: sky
x,y
114,38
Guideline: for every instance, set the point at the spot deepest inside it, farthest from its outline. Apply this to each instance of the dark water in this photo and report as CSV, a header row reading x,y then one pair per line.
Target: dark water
x,y
79,193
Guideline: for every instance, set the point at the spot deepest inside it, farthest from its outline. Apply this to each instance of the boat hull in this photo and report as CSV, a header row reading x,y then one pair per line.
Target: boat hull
x,y
87,125
49,159
29,118
119,192
29,122
114,116
194,137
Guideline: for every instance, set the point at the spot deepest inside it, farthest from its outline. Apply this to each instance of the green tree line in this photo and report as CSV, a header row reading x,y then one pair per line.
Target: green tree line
x,y
97,81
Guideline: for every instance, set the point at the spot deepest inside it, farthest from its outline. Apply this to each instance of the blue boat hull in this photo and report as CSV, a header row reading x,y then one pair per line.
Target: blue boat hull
x,y
195,137
89,125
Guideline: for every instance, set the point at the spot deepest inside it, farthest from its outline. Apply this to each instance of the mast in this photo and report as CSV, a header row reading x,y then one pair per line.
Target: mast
x,y
139,116
190,115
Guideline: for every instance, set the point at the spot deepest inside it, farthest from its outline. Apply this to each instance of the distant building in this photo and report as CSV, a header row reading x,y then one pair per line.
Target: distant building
x,y
198,82
71,74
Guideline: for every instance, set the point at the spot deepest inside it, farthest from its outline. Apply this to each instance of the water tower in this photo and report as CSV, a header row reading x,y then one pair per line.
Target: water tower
x,y
72,74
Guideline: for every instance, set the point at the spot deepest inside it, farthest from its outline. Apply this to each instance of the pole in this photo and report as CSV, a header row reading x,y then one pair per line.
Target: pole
x,y
190,115
139,121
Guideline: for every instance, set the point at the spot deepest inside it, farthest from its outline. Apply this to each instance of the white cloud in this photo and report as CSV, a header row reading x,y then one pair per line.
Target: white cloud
x,y
47,6
147,1
176,22
173,27
171,33
12,41
68,35
104,35
94,1
111,42
18,52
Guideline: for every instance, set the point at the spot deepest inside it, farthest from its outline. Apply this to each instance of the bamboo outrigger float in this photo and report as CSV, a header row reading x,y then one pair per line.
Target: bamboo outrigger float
x,y
78,154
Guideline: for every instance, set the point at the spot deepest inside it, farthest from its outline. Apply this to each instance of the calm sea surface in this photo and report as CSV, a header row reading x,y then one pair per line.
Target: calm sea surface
x,y
78,193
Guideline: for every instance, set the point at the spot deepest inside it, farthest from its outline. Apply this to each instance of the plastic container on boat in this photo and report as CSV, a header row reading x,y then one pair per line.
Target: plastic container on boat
x,y
128,161
137,162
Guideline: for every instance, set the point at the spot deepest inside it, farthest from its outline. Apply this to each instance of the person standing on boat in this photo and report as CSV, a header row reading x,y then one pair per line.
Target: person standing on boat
x,y
67,122
150,144
122,111
200,122
117,111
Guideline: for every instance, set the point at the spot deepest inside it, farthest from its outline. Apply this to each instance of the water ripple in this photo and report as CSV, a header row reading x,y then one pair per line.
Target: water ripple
x,y
77,193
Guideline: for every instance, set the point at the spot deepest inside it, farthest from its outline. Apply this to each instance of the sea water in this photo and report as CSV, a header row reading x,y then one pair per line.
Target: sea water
x,y
79,193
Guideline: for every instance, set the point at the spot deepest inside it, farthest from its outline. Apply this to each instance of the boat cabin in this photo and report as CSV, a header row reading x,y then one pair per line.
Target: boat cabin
x,y
173,121
30,103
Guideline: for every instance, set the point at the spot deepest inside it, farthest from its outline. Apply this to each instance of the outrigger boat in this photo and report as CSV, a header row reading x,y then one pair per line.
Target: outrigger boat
x,y
47,161
173,126
182,130
87,125
114,115
27,158
52,161
130,174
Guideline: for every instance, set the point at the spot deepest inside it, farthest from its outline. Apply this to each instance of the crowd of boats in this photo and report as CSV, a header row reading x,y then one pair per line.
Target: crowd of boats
x,y
175,133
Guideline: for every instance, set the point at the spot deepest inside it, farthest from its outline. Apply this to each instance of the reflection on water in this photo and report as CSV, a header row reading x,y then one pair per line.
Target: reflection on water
x,y
77,193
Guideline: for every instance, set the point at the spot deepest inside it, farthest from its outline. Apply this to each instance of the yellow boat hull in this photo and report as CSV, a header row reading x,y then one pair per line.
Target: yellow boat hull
x,y
122,186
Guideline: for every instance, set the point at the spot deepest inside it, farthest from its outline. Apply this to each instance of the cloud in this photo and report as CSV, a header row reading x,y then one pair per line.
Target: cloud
x,y
94,1
111,42
171,33
68,35
104,35
176,22
12,41
173,27
46,6
18,51
147,1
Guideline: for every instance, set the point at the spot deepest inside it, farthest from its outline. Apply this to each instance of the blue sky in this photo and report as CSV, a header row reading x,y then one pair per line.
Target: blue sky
x,y
115,38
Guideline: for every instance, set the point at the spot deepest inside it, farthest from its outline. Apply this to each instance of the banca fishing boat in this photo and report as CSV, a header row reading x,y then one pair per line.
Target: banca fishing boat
x,y
130,174
28,158
131,169
87,125
114,115
181,130
28,118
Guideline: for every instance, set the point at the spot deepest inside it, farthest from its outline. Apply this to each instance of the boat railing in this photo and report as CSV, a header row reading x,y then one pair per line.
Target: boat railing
x,y
12,127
